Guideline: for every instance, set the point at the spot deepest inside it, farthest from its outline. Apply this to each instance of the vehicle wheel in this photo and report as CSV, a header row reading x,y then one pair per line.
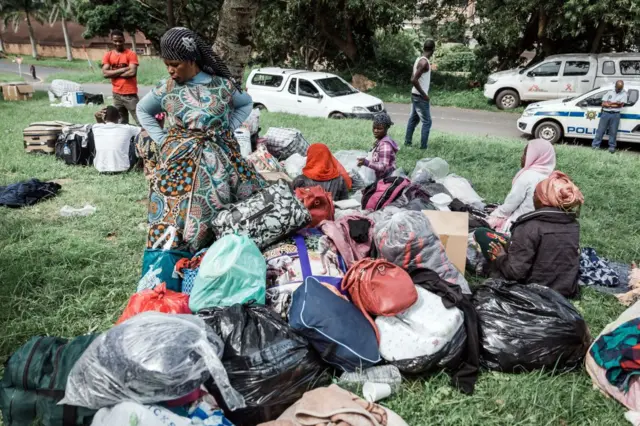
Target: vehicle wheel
x,y
337,115
507,99
260,107
549,131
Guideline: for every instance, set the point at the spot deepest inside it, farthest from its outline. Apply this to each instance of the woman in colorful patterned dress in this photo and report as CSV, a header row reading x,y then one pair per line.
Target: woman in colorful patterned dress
x,y
199,169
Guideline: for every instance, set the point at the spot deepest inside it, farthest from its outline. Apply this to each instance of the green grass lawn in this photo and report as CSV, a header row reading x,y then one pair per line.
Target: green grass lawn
x,y
69,276
76,64
6,77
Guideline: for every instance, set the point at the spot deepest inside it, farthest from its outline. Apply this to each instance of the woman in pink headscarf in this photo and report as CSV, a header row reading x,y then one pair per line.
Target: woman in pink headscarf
x,y
538,162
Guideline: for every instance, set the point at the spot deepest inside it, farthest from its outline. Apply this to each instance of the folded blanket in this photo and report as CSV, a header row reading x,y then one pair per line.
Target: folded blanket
x,y
334,406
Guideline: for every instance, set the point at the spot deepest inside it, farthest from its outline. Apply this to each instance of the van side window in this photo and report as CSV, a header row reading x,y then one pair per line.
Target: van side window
x,y
292,86
608,68
308,89
267,80
548,69
630,67
576,68
632,98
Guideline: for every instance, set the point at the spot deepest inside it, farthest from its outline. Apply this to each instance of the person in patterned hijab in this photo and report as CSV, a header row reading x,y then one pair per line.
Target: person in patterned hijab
x,y
198,169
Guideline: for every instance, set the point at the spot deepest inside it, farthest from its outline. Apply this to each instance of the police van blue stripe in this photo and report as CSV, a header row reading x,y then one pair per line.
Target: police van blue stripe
x,y
581,114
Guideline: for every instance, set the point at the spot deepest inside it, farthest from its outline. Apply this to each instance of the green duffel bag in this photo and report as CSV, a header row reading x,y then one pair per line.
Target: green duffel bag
x,y
34,381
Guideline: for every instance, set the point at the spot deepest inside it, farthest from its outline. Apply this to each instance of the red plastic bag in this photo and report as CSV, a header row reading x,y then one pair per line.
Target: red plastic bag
x,y
158,299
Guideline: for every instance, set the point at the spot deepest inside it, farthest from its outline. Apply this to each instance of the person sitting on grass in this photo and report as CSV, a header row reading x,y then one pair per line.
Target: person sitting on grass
x,y
322,169
544,247
383,156
114,143
537,162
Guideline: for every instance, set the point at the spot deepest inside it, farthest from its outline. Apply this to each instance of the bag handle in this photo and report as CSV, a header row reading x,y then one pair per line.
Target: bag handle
x,y
169,235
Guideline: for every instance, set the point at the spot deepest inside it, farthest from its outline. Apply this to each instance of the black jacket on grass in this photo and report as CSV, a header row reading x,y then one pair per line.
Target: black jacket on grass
x,y
544,249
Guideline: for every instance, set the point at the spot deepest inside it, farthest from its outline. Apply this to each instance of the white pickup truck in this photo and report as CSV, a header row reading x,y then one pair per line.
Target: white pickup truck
x,y
561,76
314,94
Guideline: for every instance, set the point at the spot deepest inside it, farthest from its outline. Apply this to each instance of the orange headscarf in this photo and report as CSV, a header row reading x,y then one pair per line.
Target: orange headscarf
x,y
323,166
558,191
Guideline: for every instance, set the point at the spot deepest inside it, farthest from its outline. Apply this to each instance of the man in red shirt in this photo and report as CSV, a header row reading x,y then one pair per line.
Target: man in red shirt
x,y
121,66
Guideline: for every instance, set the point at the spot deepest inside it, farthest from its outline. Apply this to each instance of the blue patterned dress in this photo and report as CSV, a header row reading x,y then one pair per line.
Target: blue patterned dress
x,y
198,166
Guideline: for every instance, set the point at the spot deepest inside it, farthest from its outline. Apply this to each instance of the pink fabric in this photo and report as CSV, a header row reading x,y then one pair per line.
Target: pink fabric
x,y
338,232
382,189
541,157
631,399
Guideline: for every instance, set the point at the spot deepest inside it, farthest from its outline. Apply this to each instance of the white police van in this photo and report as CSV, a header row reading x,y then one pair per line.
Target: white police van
x,y
578,117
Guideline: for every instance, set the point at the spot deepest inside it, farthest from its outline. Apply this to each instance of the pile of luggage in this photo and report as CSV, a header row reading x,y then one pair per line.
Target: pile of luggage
x,y
294,291
71,143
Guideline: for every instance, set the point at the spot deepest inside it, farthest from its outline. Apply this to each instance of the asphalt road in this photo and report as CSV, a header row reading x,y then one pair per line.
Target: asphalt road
x,y
449,120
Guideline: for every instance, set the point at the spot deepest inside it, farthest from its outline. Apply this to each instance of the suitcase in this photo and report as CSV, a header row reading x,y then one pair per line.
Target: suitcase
x,y
41,137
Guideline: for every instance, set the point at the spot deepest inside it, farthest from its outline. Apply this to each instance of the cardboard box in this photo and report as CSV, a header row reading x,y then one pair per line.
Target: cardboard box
x,y
453,230
273,177
17,91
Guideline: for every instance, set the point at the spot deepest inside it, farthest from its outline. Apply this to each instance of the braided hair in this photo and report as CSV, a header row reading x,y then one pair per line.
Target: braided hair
x,y
382,119
182,44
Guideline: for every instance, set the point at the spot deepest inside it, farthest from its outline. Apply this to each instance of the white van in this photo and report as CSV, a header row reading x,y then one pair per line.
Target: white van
x,y
560,76
579,117
314,94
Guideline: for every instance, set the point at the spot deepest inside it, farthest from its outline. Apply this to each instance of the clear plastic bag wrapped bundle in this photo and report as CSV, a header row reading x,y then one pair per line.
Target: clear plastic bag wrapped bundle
x,y
429,169
528,327
294,165
150,358
406,239
361,176
461,189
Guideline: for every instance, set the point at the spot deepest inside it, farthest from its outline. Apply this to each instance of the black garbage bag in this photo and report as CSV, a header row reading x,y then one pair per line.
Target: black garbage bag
x,y
266,361
528,327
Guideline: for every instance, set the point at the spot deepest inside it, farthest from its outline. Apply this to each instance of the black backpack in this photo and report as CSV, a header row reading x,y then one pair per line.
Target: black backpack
x,y
76,146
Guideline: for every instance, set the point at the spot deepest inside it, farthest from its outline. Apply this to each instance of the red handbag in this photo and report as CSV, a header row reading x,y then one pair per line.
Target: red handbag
x,y
379,287
319,203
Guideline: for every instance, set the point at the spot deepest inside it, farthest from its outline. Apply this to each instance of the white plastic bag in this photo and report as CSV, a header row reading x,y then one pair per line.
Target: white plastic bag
x,y
244,140
150,358
430,168
252,123
132,413
424,329
461,189
361,176
294,165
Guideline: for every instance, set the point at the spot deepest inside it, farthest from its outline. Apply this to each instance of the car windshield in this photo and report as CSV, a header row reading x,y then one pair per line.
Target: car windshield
x,y
530,65
333,86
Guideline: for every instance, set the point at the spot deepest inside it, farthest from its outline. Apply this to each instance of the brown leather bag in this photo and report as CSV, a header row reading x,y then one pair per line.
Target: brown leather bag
x,y
379,287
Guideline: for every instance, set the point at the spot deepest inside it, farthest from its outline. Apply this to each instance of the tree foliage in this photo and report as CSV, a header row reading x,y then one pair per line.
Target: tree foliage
x,y
507,28
340,32
152,17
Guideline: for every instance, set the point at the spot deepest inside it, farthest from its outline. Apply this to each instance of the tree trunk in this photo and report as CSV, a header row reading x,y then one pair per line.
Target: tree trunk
x,y
171,19
32,38
1,40
597,38
67,41
133,42
234,40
